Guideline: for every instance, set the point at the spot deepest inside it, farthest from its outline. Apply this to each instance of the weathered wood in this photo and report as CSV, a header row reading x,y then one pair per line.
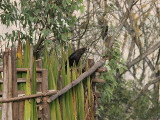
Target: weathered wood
x,y
39,84
47,93
14,83
39,63
20,93
5,85
102,69
39,75
98,80
98,94
46,108
38,100
10,88
24,69
90,62
78,80
23,80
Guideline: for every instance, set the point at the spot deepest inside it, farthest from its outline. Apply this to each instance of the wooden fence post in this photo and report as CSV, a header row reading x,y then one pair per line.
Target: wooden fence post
x,y
9,85
10,111
5,84
14,83
46,108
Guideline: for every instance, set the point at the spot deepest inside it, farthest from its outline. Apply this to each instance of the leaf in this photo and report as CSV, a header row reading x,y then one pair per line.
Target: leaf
x,y
82,8
34,89
27,111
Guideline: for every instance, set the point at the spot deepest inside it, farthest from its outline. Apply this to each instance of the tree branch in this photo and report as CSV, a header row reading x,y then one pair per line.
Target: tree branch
x,y
146,53
157,79
38,44
125,17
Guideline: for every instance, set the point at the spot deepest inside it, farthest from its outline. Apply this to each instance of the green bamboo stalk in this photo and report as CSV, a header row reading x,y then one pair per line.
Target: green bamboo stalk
x,y
19,63
69,93
46,65
34,88
27,111
65,100
80,95
55,65
70,50
53,74
58,113
63,72
27,86
75,90
26,63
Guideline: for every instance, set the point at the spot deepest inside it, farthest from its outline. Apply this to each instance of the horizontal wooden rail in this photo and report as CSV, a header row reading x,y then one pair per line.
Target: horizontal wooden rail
x,y
20,93
50,92
23,80
24,69
98,80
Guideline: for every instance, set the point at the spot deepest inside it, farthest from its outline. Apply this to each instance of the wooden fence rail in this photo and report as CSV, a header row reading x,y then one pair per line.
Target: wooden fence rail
x,y
12,107
10,100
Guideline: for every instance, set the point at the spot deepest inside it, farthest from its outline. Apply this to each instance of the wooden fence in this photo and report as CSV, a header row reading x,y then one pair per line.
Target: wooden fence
x,y
12,99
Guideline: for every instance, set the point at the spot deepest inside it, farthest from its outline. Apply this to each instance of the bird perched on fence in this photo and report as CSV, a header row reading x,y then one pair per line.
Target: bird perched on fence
x,y
75,57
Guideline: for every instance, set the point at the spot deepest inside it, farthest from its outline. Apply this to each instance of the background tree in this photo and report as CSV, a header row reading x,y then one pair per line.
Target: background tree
x,y
130,45
133,38
40,21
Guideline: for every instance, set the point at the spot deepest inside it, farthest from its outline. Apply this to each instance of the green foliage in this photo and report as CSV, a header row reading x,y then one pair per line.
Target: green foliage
x,y
72,103
116,94
40,18
51,67
111,85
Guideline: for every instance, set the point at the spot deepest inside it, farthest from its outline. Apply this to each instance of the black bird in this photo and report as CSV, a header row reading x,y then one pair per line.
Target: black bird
x,y
104,31
75,57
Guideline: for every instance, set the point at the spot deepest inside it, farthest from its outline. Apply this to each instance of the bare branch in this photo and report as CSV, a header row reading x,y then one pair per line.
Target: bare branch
x,y
157,79
146,53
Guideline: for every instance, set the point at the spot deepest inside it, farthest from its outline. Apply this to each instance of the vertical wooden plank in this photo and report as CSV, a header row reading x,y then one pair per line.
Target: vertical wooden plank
x,y
39,75
39,63
5,85
46,109
21,110
39,88
10,114
14,83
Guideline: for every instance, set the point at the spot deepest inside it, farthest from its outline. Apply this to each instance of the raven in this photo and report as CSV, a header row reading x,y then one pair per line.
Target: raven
x,y
75,57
